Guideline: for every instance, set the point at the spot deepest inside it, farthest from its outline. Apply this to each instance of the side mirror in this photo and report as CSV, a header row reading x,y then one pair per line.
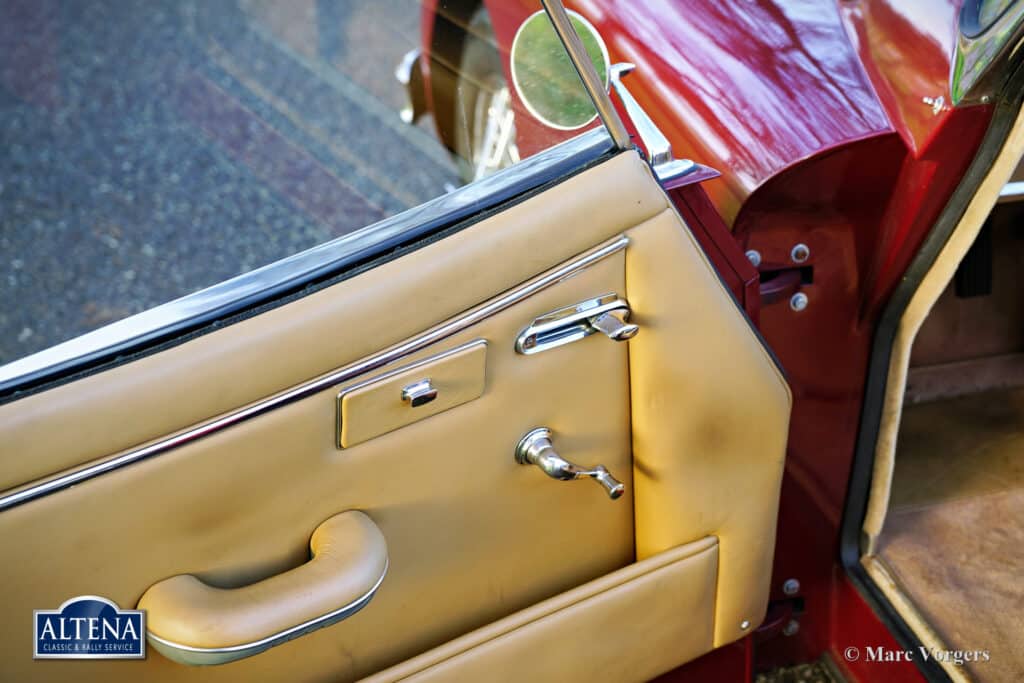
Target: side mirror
x,y
544,76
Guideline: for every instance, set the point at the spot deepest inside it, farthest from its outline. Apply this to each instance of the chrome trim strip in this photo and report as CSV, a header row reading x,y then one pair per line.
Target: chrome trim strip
x,y
260,285
408,74
189,654
591,80
659,149
676,168
1011,192
471,317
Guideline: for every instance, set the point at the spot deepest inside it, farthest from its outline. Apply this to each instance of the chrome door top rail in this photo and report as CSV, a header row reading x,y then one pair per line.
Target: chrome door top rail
x,y
306,389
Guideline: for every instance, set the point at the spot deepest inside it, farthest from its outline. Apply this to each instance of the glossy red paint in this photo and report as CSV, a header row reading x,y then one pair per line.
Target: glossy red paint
x,y
428,19
863,212
748,88
856,626
815,115
905,48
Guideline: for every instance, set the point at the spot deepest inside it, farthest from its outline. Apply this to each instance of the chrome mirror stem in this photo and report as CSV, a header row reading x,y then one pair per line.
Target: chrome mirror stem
x,y
591,80
659,149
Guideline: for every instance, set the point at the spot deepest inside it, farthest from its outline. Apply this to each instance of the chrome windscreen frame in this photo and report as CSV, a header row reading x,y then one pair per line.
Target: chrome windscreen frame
x,y
264,285
985,52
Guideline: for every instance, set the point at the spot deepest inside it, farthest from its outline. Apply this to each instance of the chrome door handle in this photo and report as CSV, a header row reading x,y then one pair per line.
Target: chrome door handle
x,y
613,324
607,314
536,449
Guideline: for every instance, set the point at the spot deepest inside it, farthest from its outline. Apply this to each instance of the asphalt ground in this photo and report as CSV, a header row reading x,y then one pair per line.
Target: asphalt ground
x,y
150,148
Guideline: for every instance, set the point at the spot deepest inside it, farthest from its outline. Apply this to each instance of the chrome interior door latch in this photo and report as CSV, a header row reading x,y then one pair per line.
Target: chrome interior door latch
x,y
536,449
607,314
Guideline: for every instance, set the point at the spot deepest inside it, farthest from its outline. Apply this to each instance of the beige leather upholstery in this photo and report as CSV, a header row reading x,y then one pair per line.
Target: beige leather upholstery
x,y
708,405
622,627
472,536
68,426
349,558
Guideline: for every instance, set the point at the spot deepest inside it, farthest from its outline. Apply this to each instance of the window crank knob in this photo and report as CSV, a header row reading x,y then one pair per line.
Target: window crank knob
x,y
614,487
536,449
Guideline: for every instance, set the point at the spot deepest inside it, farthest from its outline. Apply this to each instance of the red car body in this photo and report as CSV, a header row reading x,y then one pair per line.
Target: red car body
x,y
829,125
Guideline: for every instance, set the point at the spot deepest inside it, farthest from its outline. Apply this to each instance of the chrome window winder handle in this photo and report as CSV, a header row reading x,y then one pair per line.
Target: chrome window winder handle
x,y
536,449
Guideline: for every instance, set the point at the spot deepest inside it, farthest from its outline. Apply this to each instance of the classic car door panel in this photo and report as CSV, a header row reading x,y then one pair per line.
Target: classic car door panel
x,y
218,457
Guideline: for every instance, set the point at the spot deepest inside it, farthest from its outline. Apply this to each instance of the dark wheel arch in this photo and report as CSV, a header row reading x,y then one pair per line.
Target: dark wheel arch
x,y
451,22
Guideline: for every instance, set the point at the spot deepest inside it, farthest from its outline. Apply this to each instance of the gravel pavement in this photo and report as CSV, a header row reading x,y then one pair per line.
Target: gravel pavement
x,y
150,148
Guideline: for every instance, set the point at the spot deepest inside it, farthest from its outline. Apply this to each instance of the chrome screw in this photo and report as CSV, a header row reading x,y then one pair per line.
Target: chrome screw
x,y
798,302
936,103
791,587
754,257
745,625
791,628
800,253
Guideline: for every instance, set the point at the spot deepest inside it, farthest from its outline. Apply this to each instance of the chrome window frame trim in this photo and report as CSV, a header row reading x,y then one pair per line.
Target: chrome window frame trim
x,y
436,334
263,285
204,656
984,56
